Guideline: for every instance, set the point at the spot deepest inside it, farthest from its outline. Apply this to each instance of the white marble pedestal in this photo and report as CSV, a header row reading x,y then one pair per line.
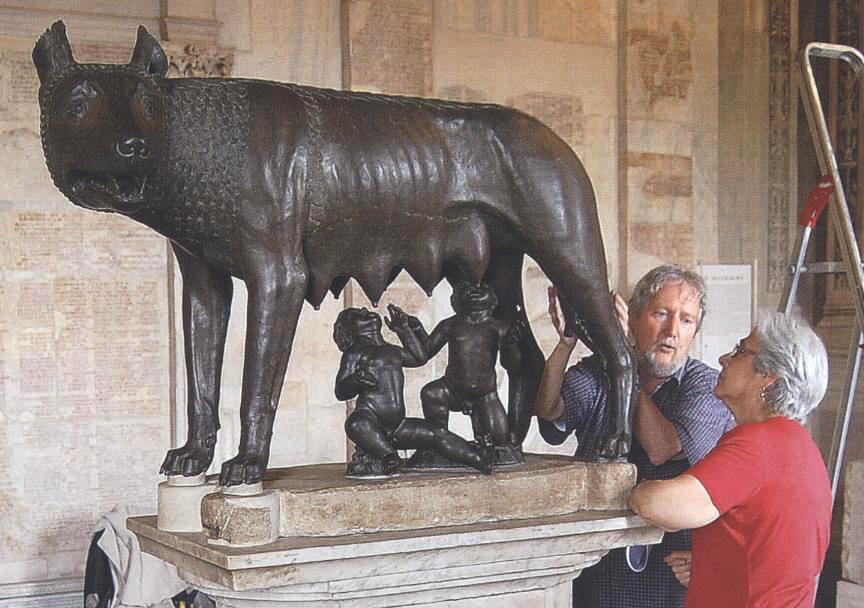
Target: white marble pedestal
x,y
511,564
457,539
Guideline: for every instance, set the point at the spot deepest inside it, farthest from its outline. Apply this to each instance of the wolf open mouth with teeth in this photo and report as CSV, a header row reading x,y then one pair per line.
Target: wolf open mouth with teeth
x,y
121,192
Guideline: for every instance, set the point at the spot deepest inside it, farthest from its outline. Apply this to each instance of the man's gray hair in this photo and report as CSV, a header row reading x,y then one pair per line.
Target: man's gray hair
x,y
793,351
657,278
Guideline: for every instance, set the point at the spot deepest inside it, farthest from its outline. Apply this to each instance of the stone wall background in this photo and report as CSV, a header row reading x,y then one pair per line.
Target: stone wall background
x,y
84,335
665,101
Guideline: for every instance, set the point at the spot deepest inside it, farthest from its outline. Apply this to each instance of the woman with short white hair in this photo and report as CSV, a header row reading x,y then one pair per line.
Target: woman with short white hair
x,y
760,502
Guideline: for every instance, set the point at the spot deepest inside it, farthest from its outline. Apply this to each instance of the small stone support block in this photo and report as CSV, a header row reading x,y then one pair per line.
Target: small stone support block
x,y
241,516
179,502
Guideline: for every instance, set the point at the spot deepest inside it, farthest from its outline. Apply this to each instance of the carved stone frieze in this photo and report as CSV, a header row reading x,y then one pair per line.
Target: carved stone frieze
x,y
391,46
194,61
779,101
563,113
663,57
846,110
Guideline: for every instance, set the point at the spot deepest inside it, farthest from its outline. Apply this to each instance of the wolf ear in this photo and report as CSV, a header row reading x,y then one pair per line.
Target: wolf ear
x,y
52,52
148,54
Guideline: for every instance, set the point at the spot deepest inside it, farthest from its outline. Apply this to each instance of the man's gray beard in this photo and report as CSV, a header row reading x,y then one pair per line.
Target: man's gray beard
x,y
649,363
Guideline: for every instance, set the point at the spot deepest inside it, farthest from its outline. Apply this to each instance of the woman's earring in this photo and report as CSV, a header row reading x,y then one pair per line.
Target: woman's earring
x,y
763,396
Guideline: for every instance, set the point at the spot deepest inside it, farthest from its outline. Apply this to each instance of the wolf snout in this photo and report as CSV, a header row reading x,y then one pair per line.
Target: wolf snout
x,y
133,147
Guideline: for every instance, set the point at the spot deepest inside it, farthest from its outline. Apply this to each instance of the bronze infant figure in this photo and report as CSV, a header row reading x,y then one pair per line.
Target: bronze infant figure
x,y
371,371
473,338
295,189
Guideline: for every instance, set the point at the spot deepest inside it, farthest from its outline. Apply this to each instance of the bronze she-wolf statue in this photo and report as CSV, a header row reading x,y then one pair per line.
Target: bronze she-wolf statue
x,y
296,189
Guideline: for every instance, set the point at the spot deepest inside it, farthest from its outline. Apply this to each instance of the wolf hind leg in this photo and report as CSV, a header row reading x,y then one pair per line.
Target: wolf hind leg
x,y
586,301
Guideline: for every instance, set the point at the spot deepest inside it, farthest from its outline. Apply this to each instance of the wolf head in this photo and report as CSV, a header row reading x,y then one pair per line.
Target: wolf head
x,y
102,125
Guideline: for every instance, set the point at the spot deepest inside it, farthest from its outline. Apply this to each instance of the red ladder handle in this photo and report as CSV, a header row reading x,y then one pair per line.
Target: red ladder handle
x,y
816,202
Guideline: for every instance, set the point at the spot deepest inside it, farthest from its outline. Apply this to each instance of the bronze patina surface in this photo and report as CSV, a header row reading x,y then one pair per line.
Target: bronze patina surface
x,y
294,189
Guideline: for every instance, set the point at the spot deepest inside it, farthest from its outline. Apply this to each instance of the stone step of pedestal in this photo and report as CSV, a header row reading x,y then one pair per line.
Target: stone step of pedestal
x,y
378,564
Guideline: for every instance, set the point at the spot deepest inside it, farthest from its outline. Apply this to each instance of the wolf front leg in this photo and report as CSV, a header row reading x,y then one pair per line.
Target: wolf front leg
x,y
206,307
276,288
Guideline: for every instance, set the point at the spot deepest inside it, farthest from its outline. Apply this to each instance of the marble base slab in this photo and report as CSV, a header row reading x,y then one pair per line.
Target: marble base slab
x,y
515,563
318,500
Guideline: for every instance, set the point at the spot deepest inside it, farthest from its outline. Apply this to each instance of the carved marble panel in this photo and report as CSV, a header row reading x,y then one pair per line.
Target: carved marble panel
x,y
195,61
660,206
844,117
85,384
391,46
659,65
562,112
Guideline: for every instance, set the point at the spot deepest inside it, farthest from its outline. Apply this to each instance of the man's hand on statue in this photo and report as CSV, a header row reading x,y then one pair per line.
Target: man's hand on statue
x,y
679,561
556,315
622,311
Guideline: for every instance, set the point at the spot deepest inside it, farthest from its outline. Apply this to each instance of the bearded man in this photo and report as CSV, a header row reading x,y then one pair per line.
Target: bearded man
x,y
677,420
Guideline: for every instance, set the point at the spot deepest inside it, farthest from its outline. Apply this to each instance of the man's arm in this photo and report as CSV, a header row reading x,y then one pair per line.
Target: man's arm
x,y
674,504
701,418
549,405
680,562
655,432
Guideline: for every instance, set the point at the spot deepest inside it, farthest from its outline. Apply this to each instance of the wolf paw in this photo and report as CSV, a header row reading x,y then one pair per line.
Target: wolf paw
x,y
242,469
616,445
188,460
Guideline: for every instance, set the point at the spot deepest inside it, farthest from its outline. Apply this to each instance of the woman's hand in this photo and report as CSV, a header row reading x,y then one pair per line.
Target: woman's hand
x,y
679,561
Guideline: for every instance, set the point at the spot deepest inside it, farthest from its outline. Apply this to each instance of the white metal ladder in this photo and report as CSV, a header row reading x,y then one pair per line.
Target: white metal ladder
x,y
843,227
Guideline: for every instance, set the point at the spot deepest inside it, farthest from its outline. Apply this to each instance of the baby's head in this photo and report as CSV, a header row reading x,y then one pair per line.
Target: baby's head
x,y
468,297
352,323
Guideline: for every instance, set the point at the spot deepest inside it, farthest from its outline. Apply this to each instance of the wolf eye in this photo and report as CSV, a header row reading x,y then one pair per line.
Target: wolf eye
x,y
79,99
149,105
78,108
147,102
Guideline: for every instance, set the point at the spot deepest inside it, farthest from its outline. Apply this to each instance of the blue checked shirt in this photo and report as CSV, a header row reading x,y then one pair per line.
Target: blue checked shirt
x,y
687,400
